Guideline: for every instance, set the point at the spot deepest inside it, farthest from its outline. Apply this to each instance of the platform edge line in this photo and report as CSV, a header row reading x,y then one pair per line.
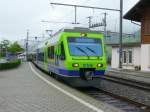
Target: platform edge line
x,y
65,92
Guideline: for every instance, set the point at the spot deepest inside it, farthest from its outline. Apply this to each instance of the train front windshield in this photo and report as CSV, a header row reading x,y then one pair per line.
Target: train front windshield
x,y
83,46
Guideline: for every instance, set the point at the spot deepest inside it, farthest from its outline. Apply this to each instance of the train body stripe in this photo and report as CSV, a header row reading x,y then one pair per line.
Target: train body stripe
x,y
71,73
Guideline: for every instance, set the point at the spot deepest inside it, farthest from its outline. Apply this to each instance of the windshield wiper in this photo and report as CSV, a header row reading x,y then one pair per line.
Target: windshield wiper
x,y
91,50
82,51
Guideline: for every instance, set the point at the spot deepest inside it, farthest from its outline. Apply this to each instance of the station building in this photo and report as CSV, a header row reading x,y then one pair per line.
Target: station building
x,y
136,55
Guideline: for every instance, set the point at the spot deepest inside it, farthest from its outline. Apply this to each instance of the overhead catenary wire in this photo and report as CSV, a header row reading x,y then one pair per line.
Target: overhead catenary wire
x,y
62,18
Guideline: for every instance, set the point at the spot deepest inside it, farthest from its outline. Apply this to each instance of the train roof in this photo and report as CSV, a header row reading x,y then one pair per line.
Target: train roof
x,y
78,29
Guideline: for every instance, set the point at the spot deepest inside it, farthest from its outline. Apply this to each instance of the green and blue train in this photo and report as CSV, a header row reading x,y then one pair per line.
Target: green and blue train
x,y
76,55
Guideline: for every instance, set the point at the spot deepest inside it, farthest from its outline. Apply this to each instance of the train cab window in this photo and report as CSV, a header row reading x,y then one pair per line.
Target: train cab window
x,y
62,56
51,52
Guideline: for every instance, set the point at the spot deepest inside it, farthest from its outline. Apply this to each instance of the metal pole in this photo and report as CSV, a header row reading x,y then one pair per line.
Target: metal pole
x,y
121,26
105,24
75,14
90,22
27,45
89,7
85,6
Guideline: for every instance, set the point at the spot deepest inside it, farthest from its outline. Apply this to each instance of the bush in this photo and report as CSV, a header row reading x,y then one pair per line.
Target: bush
x,y
10,65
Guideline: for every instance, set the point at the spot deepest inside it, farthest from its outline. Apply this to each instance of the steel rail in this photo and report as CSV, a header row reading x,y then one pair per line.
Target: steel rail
x,y
117,101
128,82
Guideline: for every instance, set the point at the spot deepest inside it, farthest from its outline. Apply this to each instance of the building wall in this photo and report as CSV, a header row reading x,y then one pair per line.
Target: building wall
x,y
145,57
115,57
145,29
136,58
145,39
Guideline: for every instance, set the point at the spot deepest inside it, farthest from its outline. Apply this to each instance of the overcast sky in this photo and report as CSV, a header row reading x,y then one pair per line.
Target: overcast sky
x,y
16,16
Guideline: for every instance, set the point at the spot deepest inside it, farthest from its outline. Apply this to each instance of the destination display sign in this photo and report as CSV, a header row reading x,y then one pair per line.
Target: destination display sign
x,y
83,40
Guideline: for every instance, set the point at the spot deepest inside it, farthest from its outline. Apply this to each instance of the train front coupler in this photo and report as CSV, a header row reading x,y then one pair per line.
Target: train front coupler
x,y
87,74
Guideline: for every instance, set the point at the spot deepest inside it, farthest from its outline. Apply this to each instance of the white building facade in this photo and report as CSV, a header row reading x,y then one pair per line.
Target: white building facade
x,y
136,55
131,56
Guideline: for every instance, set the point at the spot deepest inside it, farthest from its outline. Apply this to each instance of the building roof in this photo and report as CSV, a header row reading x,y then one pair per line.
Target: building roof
x,y
114,38
135,13
135,44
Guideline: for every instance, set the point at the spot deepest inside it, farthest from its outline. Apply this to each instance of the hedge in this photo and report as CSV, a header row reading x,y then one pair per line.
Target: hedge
x,y
10,65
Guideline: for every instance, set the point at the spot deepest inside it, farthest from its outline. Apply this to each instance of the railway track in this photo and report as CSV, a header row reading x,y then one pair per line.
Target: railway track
x,y
115,100
127,82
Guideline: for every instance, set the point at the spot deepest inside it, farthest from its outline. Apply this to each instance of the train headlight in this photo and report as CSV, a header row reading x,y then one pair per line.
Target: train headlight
x,y
99,65
83,34
75,65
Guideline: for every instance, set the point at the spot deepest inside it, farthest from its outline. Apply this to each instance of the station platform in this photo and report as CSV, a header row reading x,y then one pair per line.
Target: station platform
x,y
26,89
139,76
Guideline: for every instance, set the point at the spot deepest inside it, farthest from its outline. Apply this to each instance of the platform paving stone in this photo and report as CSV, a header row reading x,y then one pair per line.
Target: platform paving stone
x,y
22,91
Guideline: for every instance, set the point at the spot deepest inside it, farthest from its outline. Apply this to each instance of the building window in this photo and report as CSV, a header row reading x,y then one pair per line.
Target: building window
x,y
130,56
127,56
124,57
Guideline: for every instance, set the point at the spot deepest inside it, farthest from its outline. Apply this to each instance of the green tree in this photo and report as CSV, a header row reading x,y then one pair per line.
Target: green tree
x,y
1,49
15,48
4,44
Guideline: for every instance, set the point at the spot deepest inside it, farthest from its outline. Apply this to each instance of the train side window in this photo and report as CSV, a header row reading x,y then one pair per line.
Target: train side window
x,y
40,56
62,56
51,52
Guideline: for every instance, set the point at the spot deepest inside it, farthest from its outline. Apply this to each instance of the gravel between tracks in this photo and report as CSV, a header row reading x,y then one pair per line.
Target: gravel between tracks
x,y
129,92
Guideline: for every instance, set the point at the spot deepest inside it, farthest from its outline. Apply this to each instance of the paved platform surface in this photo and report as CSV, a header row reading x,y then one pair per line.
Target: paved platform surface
x,y
21,90
140,76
